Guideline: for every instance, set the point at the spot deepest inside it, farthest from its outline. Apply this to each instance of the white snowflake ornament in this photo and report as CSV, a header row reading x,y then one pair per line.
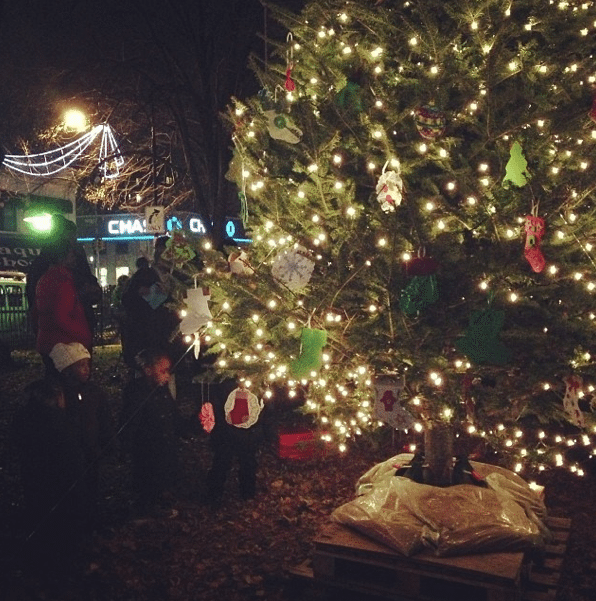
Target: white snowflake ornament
x,y
293,267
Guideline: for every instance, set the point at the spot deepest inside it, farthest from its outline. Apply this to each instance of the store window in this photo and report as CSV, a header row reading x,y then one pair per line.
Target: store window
x,y
103,276
125,270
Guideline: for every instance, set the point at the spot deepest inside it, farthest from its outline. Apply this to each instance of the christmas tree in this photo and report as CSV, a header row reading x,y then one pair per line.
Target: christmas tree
x,y
418,179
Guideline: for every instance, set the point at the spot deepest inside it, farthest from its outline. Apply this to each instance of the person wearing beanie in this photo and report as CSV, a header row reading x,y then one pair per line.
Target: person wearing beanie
x,y
86,405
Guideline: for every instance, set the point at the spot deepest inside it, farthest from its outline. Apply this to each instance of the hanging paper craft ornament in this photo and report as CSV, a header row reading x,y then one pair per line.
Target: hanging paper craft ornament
x,y
422,290
281,127
207,417
390,189
516,168
156,296
197,311
387,406
178,249
311,353
430,121
289,85
350,97
293,268
238,262
481,342
242,408
573,385
534,229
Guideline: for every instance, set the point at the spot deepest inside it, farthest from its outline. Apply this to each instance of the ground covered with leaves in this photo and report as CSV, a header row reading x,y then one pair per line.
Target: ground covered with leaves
x,y
246,549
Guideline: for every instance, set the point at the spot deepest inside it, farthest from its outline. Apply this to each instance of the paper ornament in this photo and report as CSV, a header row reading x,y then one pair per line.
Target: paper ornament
x,y
197,311
387,406
178,249
293,267
207,417
311,353
573,385
481,343
516,168
430,121
156,295
350,97
534,228
281,127
242,408
390,189
238,263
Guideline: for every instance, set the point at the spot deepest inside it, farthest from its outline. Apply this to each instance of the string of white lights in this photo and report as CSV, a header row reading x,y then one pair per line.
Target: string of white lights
x,y
53,161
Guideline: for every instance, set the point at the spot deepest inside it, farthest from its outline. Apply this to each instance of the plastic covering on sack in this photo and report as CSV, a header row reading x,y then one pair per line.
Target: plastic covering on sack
x,y
458,520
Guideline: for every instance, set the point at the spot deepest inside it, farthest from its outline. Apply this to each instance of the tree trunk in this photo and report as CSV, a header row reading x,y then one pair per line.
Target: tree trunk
x,y
438,453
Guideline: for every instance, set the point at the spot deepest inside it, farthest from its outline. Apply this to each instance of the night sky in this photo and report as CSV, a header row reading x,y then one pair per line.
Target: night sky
x,y
50,50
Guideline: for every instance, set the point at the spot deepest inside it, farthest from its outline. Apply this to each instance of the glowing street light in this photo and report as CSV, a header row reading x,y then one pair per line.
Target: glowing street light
x,y
75,120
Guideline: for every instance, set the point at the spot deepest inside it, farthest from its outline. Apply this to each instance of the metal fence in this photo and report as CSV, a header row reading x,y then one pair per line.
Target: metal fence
x,y
15,324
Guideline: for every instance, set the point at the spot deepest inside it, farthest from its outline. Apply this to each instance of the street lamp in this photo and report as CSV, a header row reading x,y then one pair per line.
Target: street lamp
x,y
75,120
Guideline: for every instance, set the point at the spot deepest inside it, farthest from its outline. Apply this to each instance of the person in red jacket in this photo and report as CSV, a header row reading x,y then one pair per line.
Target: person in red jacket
x,y
60,313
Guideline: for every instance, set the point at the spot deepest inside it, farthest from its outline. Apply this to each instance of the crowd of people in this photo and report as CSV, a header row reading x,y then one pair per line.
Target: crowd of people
x,y
63,428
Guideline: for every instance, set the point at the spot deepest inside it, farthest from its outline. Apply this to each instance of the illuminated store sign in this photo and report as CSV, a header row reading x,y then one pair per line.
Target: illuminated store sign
x,y
134,227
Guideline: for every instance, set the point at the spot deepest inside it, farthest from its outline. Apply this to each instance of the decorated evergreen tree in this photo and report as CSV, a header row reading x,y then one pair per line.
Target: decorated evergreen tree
x,y
419,182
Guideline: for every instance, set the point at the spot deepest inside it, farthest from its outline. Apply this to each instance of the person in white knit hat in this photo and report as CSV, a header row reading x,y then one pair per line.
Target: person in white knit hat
x,y
87,406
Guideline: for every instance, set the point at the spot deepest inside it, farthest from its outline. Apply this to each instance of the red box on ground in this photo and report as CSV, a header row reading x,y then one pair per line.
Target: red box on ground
x,y
299,444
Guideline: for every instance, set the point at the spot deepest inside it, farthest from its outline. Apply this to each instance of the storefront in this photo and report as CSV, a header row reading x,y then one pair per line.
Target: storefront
x,y
114,242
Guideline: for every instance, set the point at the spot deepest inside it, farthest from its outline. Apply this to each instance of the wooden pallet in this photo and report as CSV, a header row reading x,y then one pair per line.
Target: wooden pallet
x,y
344,558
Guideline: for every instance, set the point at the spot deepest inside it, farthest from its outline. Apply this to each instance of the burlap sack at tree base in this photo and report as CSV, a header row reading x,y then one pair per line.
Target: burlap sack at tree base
x,y
458,520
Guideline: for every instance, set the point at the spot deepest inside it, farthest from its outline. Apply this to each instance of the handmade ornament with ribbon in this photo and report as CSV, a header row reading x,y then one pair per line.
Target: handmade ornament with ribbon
x,y
178,250
422,289
573,385
387,406
242,408
281,127
349,98
238,263
481,343
311,353
197,315
390,189
430,121
207,417
293,267
516,168
156,296
534,228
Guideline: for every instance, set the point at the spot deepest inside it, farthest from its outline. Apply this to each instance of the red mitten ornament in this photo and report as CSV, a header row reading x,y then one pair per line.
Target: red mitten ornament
x,y
534,229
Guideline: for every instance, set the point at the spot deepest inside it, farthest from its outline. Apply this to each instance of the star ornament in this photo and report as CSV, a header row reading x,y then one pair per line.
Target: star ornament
x,y
293,268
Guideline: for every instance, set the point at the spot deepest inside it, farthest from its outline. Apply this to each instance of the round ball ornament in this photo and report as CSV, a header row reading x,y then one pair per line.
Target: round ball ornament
x,y
430,121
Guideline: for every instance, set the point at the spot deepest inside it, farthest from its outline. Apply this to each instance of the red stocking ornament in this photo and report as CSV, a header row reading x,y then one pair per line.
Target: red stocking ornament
x,y
534,229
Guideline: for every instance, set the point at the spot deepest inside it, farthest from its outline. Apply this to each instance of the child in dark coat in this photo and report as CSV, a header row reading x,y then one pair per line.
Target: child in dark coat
x,y
87,406
151,427
236,435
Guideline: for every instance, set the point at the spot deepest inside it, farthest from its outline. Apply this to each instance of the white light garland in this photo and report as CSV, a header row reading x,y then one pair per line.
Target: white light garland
x,y
51,162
